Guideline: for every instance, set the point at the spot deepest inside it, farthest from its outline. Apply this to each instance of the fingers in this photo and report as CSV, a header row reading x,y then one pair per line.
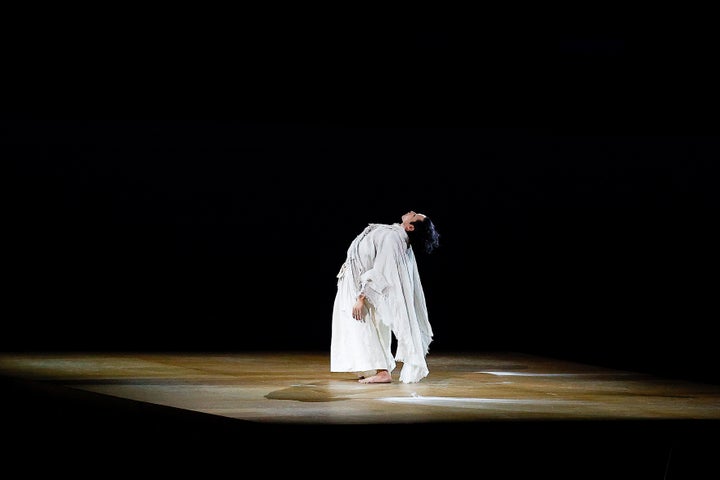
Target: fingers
x,y
357,311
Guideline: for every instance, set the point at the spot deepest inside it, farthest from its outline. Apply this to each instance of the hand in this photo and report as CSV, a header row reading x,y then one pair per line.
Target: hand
x,y
357,311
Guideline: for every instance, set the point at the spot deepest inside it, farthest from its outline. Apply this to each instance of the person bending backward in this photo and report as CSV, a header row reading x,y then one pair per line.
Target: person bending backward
x,y
379,295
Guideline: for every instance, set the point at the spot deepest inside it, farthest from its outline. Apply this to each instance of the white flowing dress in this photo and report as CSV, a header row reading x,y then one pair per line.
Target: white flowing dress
x,y
381,264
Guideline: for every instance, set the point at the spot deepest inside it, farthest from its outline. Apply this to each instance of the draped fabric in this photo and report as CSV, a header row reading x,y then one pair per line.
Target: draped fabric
x,y
381,264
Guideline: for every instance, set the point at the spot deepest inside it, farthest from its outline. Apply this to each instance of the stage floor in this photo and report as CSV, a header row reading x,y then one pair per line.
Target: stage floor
x,y
289,387
511,413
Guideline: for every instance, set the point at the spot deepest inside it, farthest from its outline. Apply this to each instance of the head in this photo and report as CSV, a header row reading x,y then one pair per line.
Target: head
x,y
421,231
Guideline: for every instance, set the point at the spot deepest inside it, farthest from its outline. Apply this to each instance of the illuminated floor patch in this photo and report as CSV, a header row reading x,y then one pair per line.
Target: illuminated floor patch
x,y
530,374
472,401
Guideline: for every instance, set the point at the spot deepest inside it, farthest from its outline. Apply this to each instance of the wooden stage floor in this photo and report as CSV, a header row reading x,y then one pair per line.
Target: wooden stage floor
x,y
508,413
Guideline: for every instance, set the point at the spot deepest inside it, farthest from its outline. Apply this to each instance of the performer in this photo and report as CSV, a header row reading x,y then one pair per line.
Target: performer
x,y
379,295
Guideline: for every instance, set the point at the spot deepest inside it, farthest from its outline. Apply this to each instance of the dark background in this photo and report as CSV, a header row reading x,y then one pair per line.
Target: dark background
x,y
185,187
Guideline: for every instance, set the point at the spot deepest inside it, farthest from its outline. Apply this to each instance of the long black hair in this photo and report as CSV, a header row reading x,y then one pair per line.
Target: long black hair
x,y
424,235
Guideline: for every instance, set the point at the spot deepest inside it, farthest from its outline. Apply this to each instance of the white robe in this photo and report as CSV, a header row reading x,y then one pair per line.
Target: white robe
x,y
380,264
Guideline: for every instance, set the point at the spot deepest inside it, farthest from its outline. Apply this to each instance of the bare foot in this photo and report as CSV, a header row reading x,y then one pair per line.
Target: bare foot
x,y
380,377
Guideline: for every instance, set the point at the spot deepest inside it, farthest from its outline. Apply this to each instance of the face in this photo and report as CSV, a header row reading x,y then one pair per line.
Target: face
x,y
410,217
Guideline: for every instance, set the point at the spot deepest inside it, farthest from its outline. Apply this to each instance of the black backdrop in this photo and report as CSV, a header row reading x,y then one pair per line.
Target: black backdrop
x,y
199,194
